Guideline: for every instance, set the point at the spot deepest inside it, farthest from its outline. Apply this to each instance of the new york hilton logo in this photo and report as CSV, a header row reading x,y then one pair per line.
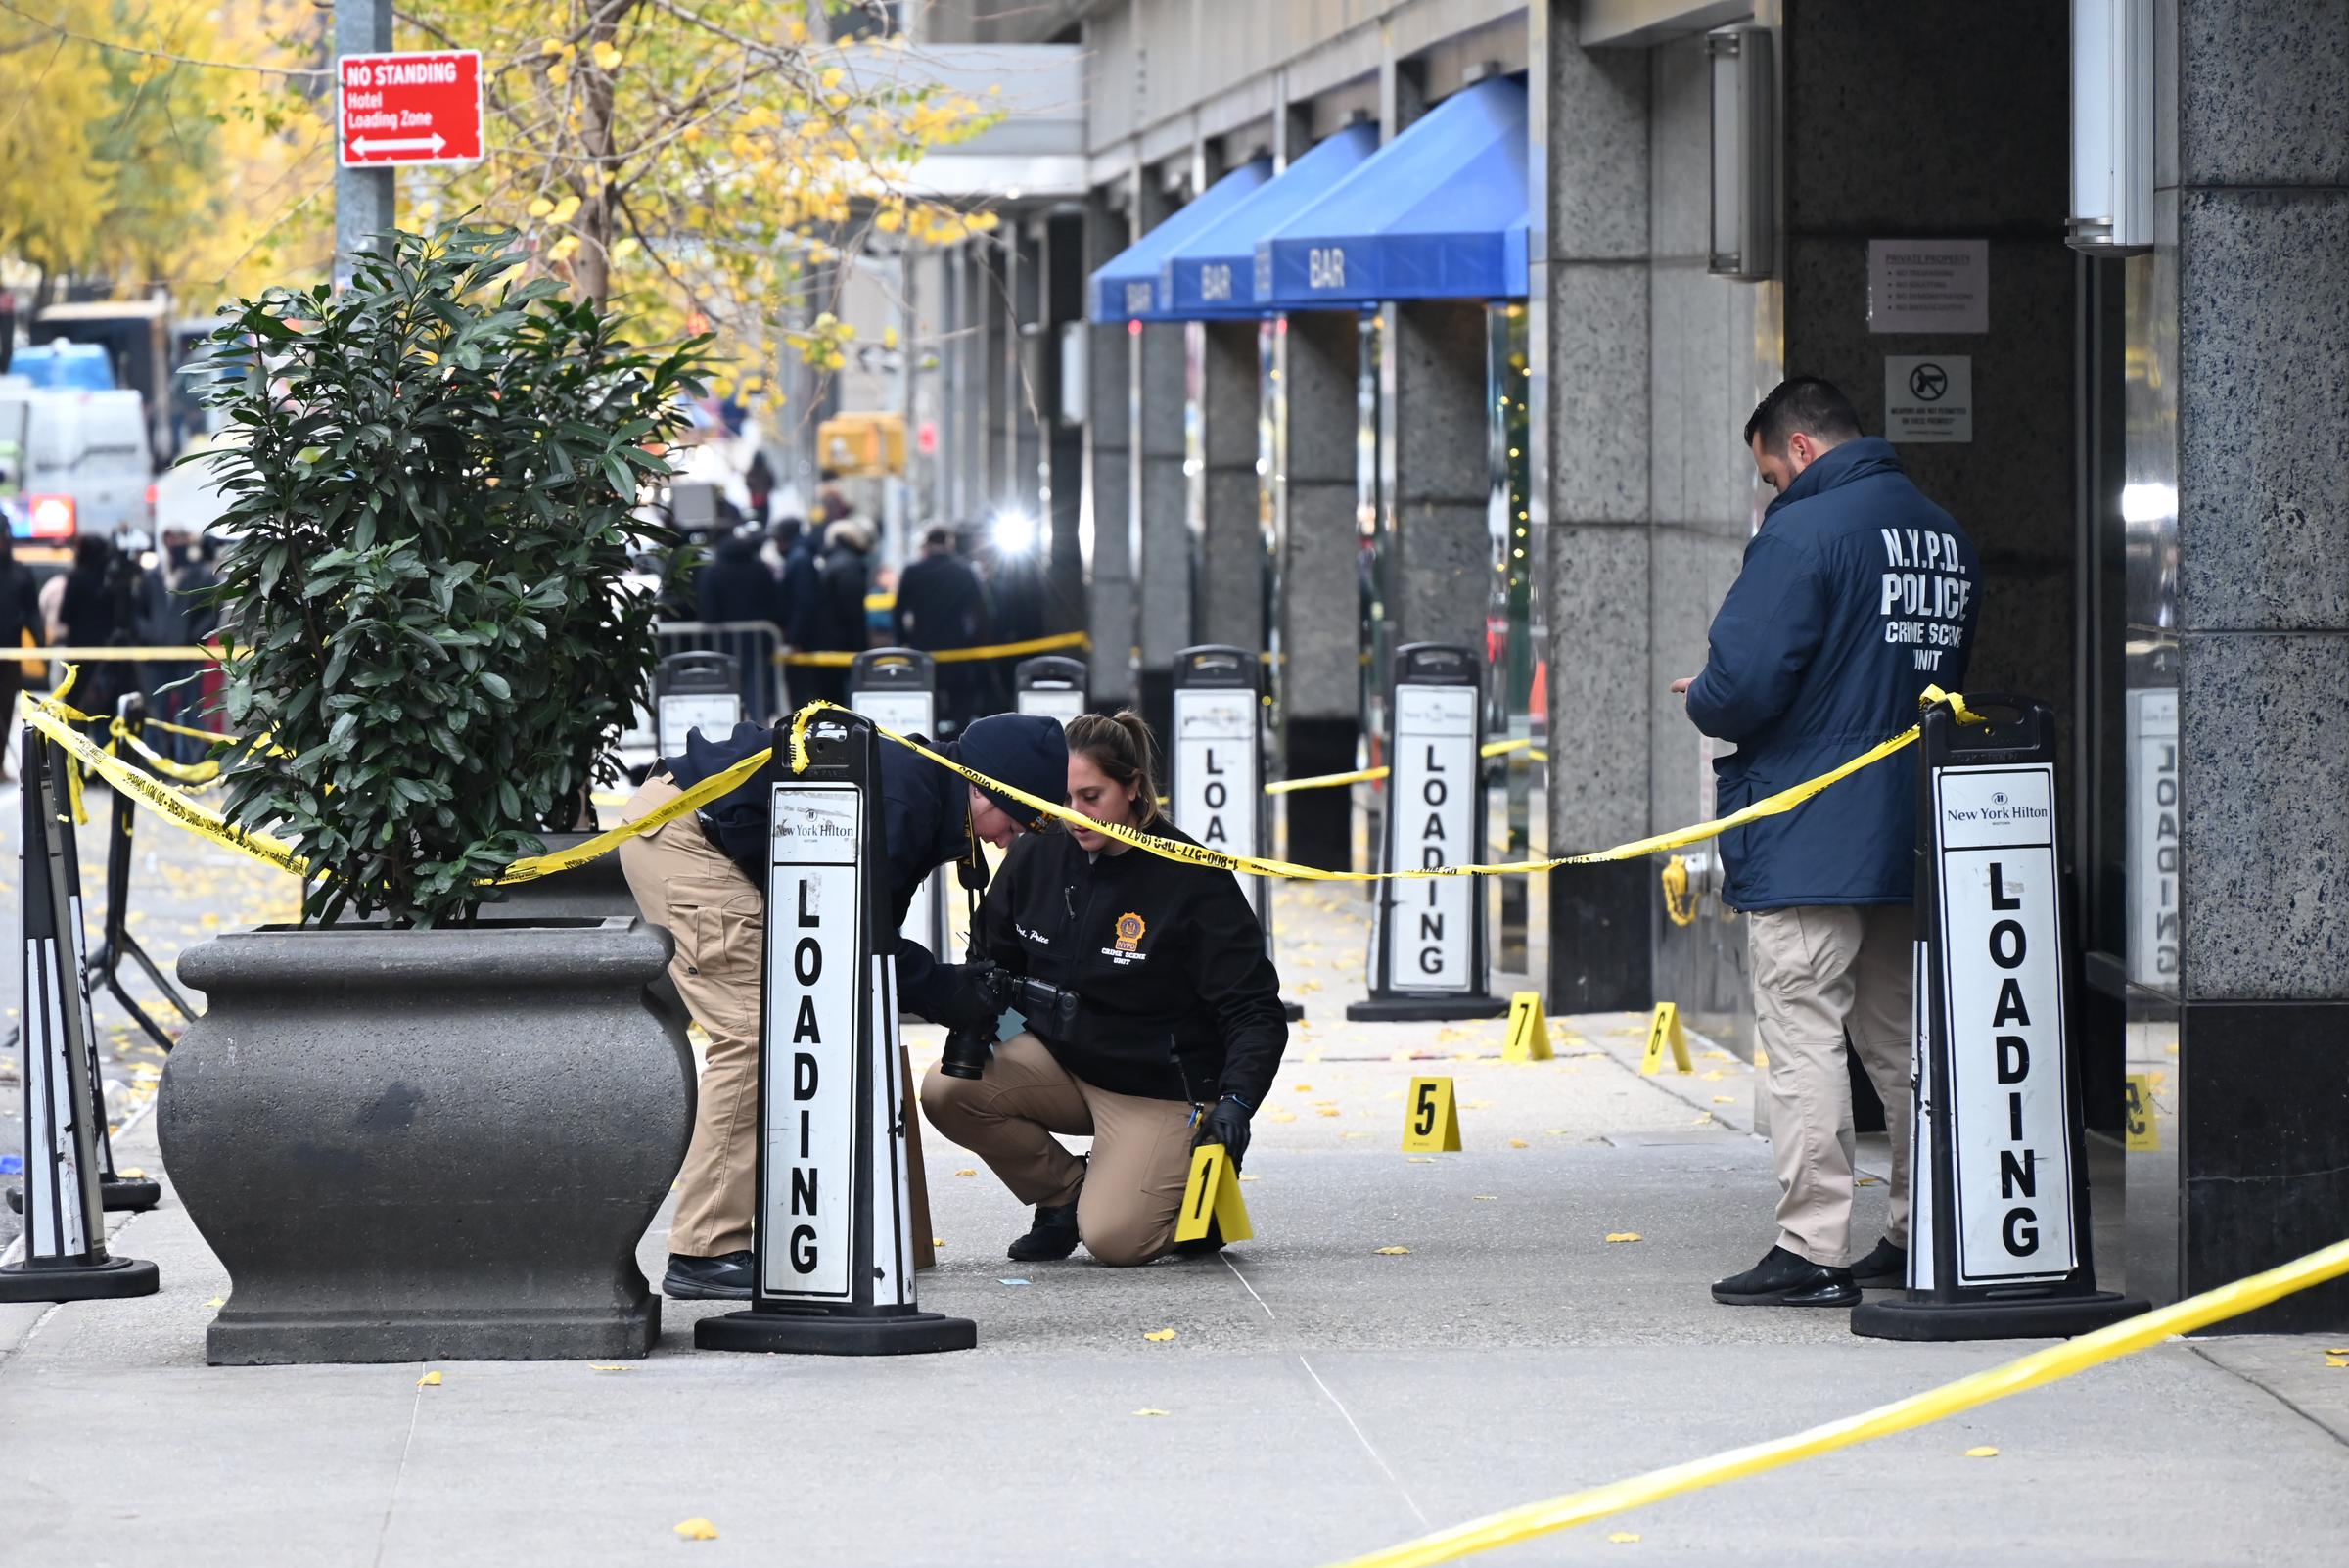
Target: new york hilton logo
x,y
1130,932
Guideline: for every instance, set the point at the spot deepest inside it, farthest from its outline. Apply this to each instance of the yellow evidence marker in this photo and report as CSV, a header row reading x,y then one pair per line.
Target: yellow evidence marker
x,y
1529,1030
2137,1115
1431,1121
1662,1028
1213,1193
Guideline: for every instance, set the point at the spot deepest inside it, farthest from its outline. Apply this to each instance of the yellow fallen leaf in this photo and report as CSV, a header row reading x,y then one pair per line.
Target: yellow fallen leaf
x,y
1305,1089
1517,1144
1869,1181
2338,1350
1986,1451
131,1173
1421,1158
428,1381
1713,1077
1487,1197
1248,1179
1394,1251
1354,1135
2337,1360
966,1170
698,1530
938,1243
1146,1411
218,1300
1623,1235
1724,1099
1476,1105
1702,1117
1329,1109
1161,1335
1284,1116
1625,1538
609,1367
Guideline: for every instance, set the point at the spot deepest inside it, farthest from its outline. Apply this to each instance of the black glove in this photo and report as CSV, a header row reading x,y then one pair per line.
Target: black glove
x,y
1226,1124
975,999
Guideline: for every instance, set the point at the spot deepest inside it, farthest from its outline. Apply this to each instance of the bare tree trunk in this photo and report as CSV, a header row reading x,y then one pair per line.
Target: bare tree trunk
x,y
597,222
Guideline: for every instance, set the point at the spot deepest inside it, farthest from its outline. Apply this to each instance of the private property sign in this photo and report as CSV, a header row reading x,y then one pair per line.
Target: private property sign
x,y
409,109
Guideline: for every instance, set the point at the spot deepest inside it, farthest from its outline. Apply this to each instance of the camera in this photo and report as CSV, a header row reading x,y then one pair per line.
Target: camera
x,y
967,1049
1047,1007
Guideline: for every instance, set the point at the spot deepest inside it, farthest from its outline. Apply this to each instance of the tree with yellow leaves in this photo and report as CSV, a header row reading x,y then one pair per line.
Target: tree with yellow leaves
x,y
710,160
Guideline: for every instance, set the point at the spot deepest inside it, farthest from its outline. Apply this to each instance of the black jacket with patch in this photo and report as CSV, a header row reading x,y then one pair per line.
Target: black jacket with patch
x,y
1178,1000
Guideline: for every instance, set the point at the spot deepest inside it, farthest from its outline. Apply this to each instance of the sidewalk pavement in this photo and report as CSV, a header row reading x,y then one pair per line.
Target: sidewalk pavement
x,y
1322,1397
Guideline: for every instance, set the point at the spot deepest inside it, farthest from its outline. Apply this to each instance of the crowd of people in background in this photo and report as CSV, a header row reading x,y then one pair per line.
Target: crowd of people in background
x,y
820,580
115,594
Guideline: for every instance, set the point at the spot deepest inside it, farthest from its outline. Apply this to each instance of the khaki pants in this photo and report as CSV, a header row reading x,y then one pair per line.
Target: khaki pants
x,y
1818,971
1132,1191
684,882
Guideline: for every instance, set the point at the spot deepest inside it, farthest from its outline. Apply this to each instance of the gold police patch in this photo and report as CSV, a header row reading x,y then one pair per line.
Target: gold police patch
x,y
1130,932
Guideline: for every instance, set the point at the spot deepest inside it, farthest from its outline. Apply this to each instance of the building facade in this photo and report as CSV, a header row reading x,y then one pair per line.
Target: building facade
x,y
1540,460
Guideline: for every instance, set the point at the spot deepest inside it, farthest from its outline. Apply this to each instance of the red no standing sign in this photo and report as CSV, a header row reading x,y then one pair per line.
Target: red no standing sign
x,y
409,109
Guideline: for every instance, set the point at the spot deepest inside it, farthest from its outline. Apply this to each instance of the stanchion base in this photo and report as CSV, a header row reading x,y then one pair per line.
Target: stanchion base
x,y
1292,1011
131,1195
1922,1317
1424,1009
835,1333
61,1281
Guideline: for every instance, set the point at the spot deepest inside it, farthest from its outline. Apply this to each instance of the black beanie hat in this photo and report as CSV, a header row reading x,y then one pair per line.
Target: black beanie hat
x,y
1025,750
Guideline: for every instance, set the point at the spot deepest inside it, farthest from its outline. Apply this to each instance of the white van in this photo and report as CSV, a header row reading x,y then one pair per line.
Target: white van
x,y
77,461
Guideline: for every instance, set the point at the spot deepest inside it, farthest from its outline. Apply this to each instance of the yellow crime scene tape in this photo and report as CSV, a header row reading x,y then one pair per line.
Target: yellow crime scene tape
x,y
1367,775
1786,800
84,656
840,660
54,719
2056,1361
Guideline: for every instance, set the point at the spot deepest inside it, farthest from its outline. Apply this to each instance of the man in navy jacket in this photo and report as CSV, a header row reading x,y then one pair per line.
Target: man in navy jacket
x,y
1856,594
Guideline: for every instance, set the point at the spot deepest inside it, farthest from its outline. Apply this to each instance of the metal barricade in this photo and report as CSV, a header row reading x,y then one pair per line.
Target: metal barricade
x,y
753,646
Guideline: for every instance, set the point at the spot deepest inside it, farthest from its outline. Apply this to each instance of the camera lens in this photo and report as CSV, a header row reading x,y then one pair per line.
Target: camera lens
x,y
965,1055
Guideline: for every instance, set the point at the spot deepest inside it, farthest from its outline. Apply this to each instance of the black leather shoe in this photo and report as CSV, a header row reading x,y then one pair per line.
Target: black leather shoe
x,y
1885,1269
1783,1279
1052,1236
1206,1246
727,1278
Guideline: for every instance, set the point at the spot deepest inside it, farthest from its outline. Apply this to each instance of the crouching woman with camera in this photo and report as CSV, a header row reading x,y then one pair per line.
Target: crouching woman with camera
x,y
1153,1018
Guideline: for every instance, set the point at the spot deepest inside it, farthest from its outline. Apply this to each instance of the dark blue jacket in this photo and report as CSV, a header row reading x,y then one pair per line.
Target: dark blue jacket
x,y
925,815
1855,595
924,822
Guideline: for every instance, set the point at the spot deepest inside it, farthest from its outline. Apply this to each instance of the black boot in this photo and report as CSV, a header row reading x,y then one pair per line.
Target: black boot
x,y
1206,1246
1885,1269
727,1278
1785,1279
1052,1236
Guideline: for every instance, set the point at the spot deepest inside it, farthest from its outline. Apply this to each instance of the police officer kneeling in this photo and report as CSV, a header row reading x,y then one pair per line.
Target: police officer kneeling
x,y
1153,1016
704,877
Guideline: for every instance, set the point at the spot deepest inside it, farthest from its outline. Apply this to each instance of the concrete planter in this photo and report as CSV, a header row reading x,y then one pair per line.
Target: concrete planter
x,y
413,1145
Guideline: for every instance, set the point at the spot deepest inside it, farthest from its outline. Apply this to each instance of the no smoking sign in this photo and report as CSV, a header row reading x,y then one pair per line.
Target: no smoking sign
x,y
408,108
1928,398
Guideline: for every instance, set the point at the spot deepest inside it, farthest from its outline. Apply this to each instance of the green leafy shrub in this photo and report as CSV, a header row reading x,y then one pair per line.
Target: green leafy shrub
x,y
433,478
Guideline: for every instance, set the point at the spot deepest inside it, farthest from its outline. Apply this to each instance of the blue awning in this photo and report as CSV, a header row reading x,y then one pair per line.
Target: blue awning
x,y
1215,274
1125,286
1440,213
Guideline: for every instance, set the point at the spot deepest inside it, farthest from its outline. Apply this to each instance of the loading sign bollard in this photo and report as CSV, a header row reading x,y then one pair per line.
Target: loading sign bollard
x,y
833,1257
1051,685
65,1257
1999,1176
1429,948
695,690
896,688
1218,762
